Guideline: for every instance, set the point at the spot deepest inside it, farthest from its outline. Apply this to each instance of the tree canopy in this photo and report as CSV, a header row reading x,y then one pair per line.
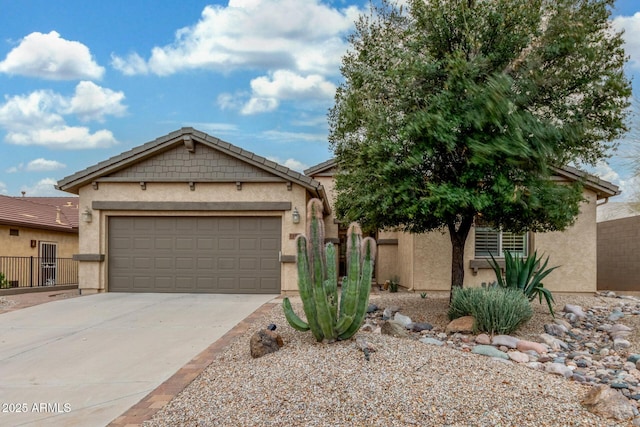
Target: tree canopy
x,y
454,109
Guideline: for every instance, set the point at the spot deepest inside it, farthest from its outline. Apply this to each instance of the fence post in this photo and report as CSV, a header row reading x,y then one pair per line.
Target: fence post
x,y
31,271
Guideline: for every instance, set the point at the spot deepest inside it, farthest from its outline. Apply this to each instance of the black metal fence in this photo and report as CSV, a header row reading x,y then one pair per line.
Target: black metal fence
x,y
23,272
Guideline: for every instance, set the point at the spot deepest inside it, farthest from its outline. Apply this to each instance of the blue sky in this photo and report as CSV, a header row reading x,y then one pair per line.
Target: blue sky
x,y
84,80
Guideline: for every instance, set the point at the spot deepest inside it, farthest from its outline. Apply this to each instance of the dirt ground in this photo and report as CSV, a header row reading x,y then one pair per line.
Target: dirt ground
x,y
16,302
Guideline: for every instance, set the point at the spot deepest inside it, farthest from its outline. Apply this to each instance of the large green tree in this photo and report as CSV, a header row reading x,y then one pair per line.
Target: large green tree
x,y
455,109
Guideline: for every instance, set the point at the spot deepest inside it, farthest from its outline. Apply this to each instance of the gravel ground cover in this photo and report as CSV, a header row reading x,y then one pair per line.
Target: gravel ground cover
x,y
405,382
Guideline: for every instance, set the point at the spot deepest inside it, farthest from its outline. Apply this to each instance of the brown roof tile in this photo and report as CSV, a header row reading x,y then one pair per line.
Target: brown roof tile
x,y
51,213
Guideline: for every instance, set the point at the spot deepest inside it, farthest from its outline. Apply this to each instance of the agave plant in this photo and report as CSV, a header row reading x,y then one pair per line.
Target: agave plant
x,y
525,274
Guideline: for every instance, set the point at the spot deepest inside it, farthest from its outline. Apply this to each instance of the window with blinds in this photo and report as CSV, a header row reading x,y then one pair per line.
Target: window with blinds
x,y
489,241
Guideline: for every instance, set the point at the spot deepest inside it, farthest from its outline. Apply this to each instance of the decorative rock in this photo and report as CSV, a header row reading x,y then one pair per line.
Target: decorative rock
x,y
555,329
563,323
402,319
505,340
483,339
615,315
264,342
420,326
461,324
432,341
609,403
559,369
620,343
575,309
619,327
372,308
518,357
524,345
633,358
553,342
487,350
394,329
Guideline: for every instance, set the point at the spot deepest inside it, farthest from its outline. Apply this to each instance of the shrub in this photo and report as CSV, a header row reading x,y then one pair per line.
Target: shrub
x,y
496,310
525,274
4,284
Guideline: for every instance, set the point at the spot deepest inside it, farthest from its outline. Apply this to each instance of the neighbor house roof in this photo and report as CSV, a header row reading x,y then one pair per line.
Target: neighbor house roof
x,y
187,136
48,213
602,188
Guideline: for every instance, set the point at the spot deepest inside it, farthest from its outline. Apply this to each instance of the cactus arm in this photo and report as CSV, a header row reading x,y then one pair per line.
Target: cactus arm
x,y
331,283
305,288
349,297
319,272
364,289
292,318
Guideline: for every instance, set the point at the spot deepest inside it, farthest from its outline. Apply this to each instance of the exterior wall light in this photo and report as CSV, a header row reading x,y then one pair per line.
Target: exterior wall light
x,y
295,216
87,216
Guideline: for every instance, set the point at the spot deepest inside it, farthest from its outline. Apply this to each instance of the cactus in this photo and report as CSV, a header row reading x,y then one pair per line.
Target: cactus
x,y
318,281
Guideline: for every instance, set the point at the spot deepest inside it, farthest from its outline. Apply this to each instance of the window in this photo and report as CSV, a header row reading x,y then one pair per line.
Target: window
x,y
14,232
489,241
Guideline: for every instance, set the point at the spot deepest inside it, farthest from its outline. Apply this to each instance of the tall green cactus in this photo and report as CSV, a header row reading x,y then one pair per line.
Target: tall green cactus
x,y
318,281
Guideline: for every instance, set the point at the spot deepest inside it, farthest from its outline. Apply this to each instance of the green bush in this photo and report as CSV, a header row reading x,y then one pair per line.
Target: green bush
x,y
4,284
496,310
525,274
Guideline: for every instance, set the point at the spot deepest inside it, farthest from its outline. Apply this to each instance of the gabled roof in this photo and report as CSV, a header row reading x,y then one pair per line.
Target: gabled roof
x,y
47,213
602,188
189,137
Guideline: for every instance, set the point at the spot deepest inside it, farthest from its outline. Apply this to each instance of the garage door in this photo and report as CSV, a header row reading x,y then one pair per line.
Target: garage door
x,y
194,254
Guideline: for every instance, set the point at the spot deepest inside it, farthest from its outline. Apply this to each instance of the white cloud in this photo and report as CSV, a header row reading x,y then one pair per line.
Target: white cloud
x,y
38,118
15,169
41,164
629,185
131,65
280,136
290,163
3,188
43,188
49,56
631,27
307,36
63,137
267,91
92,102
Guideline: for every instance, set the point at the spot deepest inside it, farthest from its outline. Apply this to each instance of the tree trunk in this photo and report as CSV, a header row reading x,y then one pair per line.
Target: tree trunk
x,y
458,233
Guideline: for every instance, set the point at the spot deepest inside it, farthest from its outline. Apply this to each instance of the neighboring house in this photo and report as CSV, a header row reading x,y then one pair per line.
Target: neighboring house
x,y
422,262
188,212
619,247
45,228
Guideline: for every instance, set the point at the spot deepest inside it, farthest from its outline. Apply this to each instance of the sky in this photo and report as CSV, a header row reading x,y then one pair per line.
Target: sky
x,y
84,80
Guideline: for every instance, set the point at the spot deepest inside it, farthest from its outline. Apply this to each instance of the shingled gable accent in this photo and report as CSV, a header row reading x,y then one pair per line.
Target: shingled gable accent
x,y
189,155
602,188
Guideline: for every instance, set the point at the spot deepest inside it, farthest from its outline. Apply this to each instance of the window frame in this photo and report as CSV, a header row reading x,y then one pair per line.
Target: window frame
x,y
500,243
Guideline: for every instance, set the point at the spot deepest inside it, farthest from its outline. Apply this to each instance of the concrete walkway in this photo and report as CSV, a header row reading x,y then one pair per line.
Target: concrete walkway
x,y
85,361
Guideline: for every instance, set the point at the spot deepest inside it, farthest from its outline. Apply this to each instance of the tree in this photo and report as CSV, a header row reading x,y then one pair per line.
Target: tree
x,y
452,110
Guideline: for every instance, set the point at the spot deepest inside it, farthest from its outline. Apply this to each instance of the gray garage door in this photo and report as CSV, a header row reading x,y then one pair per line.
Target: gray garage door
x,y
194,254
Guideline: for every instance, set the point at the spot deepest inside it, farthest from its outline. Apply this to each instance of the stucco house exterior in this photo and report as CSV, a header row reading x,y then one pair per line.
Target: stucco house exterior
x,y
422,262
189,212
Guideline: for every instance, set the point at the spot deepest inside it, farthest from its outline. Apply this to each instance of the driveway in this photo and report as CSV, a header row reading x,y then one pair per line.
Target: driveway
x,y
84,361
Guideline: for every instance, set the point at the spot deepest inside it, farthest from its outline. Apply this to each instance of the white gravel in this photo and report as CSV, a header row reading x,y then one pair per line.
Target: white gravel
x,y
405,383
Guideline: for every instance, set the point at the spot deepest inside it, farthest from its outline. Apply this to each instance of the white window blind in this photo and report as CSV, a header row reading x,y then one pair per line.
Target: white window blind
x,y
489,241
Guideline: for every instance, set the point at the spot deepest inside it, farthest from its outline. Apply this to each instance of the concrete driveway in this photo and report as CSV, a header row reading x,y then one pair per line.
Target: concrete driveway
x,y
84,361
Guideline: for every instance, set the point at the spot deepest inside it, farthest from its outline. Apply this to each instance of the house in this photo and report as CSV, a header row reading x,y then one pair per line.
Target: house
x,y
45,228
188,212
422,262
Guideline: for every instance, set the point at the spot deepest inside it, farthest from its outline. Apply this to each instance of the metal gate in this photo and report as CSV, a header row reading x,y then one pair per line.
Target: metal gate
x,y
48,263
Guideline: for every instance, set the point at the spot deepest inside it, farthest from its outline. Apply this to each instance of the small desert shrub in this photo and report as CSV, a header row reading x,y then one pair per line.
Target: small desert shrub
x,y
496,310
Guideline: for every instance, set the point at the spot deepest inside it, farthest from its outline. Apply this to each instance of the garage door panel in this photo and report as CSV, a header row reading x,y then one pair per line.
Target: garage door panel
x,y
194,254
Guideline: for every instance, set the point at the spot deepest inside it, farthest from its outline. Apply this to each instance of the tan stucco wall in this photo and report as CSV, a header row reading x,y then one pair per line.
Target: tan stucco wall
x,y
93,236
575,251
425,259
20,245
